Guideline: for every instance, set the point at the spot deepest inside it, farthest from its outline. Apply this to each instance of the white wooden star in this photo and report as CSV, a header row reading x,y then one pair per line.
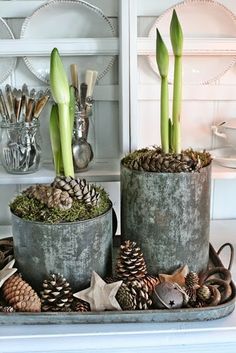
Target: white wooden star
x,y
7,272
100,295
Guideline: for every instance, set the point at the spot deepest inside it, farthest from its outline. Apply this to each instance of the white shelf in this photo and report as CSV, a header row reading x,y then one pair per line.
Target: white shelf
x,y
100,170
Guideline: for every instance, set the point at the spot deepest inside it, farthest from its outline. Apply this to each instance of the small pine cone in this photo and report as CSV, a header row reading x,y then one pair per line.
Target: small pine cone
x,y
125,298
140,293
203,293
50,196
57,294
130,263
192,294
78,189
20,295
7,309
151,282
80,306
192,280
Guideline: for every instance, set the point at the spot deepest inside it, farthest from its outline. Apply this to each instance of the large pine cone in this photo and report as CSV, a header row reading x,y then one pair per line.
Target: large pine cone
x,y
20,295
50,196
154,160
57,294
78,189
130,263
134,295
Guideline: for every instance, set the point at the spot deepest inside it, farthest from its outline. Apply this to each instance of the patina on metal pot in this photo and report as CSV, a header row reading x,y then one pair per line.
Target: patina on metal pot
x,y
168,215
73,249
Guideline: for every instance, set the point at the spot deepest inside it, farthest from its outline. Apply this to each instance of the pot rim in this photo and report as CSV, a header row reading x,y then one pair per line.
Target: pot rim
x,y
65,223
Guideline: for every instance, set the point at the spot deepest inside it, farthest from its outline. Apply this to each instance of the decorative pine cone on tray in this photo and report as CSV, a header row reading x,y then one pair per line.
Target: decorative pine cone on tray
x,y
140,293
78,189
125,298
151,282
130,263
154,160
50,196
56,294
6,251
20,295
6,309
191,286
80,306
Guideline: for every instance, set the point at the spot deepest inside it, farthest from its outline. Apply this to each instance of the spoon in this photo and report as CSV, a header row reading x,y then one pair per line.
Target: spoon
x,y
82,154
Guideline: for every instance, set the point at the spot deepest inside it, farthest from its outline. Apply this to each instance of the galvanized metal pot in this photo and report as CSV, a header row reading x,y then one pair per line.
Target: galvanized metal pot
x,y
73,249
168,215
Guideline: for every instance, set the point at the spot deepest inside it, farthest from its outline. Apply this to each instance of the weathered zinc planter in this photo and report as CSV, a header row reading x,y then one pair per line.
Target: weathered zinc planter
x,y
168,215
73,249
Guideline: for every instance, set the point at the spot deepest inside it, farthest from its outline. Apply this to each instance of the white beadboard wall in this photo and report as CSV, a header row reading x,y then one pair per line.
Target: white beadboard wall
x,y
202,106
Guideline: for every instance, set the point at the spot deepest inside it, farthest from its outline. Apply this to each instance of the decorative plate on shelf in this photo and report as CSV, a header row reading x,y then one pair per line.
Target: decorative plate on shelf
x,y
68,19
225,156
7,64
198,18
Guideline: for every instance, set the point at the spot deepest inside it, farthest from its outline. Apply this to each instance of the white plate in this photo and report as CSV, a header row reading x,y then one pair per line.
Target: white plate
x,y
225,156
68,19
199,18
7,65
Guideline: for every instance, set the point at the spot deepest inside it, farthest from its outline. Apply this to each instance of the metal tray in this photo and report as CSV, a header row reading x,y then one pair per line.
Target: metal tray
x,y
136,316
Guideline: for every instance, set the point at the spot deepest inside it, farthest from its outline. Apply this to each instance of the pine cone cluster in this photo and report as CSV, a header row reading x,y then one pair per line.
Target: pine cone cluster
x,y
20,295
78,189
51,196
56,294
154,160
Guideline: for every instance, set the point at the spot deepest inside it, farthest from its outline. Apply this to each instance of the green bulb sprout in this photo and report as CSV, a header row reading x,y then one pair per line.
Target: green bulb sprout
x,y
62,97
171,128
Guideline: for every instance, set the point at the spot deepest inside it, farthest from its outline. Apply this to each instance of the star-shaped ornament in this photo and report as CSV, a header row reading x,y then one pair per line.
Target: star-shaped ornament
x,y
100,295
7,272
178,276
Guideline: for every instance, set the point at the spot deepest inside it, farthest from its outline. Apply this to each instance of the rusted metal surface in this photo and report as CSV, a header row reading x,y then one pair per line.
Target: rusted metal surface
x,y
168,215
72,249
144,316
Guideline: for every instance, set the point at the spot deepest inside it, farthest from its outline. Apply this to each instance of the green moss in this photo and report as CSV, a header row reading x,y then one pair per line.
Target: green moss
x,y
33,210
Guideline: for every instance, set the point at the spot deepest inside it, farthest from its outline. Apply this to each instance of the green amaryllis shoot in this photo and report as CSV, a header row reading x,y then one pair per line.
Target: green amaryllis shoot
x,y
61,94
162,59
176,36
55,139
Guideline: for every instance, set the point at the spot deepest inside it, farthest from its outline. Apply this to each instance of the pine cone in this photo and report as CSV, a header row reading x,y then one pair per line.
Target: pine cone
x,y
130,263
78,189
50,196
125,298
154,160
203,293
151,282
6,251
192,280
57,294
20,295
81,306
6,309
140,293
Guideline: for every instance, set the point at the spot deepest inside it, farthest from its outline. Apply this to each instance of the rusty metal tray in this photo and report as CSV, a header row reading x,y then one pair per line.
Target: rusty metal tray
x,y
137,316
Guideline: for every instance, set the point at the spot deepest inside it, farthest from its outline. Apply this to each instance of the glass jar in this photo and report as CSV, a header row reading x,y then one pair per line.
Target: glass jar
x,y
81,147
20,147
